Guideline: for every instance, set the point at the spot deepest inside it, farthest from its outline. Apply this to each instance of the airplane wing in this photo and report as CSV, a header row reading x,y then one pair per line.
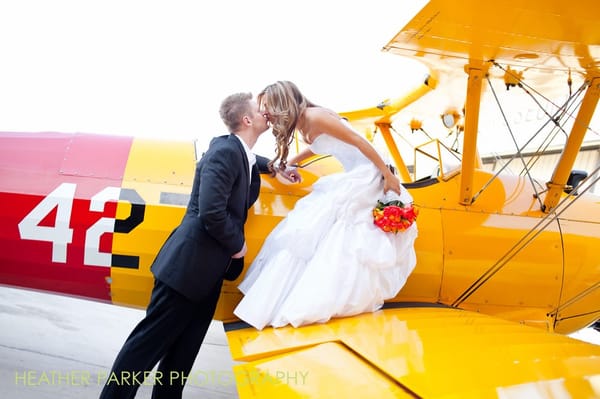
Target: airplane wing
x,y
412,351
549,36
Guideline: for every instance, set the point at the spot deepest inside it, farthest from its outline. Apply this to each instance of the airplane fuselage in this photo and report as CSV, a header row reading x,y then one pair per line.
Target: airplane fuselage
x,y
84,215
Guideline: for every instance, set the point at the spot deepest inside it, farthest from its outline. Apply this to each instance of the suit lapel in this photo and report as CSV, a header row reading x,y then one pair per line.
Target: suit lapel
x,y
246,171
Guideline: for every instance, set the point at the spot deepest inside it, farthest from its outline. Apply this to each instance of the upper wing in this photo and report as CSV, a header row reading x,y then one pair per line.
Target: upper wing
x,y
540,34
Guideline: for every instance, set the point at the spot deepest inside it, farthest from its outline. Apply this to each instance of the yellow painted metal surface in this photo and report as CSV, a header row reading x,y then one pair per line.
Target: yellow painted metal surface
x,y
155,169
550,35
327,370
460,247
487,232
580,295
424,283
432,352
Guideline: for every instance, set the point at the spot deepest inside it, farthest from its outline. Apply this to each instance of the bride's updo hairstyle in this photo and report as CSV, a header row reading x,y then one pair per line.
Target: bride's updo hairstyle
x,y
284,103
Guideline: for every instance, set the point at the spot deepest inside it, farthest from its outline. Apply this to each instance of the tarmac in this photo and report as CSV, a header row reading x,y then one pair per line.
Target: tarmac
x,y
55,346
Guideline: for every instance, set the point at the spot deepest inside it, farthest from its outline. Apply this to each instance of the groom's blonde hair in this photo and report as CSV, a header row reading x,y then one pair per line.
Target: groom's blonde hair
x,y
233,108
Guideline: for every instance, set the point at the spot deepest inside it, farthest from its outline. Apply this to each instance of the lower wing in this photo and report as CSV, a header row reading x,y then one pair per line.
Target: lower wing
x,y
414,351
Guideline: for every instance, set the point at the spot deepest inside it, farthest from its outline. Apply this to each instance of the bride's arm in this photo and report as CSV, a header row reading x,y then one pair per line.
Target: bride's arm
x,y
291,172
299,157
332,125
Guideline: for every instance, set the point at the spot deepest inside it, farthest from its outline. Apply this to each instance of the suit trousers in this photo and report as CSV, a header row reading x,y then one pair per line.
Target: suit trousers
x,y
171,332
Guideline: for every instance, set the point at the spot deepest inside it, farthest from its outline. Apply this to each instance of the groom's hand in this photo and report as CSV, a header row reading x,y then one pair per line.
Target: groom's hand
x,y
291,174
241,252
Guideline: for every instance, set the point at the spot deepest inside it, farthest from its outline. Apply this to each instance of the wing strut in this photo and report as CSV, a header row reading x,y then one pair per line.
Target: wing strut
x,y
384,127
561,174
470,159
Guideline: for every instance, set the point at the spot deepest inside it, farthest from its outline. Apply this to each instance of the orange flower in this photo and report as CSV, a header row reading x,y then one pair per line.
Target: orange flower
x,y
394,216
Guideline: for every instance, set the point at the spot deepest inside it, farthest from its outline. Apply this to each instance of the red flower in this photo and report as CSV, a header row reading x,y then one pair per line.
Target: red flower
x,y
394,216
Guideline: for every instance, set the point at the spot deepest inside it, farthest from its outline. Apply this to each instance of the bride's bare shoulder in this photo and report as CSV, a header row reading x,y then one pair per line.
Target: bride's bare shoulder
x,y
320,113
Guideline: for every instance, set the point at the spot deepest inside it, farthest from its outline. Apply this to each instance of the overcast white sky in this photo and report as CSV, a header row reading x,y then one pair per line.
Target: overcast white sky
x,y
161,68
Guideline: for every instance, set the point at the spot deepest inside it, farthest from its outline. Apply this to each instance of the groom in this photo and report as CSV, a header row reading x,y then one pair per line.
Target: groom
x,y
208,246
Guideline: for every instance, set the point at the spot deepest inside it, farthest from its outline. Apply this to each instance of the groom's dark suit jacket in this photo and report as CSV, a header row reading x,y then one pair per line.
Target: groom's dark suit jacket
x,y
198,252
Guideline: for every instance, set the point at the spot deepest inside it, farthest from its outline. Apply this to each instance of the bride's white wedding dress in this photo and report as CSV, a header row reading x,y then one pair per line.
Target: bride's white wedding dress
x,y
327,258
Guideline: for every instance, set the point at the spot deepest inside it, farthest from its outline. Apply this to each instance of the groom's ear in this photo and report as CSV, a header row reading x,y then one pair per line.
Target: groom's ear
x,y
234,270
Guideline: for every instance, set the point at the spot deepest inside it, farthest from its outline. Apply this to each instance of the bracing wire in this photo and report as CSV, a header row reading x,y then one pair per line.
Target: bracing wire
x,y
555,118
528,237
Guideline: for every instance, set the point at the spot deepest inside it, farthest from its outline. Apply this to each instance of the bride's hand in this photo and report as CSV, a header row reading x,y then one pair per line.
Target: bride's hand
x,y
391,182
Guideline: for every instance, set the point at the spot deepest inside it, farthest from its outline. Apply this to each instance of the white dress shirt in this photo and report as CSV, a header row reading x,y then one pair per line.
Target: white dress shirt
x,y
250,155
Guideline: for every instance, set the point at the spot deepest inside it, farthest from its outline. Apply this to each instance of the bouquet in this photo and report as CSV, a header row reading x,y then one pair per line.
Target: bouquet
x,y
394,216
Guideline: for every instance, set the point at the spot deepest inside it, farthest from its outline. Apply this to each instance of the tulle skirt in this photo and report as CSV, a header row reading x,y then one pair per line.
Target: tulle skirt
x,y
326,258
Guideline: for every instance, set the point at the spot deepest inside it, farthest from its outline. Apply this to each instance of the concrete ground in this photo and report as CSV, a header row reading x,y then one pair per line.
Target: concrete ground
x,y
60,347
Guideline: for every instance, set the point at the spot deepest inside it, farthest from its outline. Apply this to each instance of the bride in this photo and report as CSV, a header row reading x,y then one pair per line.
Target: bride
x,y
326,258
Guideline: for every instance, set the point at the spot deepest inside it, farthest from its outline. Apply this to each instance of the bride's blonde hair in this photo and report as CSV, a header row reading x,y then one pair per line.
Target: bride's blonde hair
x,y
285,103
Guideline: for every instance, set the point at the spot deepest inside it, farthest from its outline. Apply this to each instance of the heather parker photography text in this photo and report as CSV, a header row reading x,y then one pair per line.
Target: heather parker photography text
x,y
35,378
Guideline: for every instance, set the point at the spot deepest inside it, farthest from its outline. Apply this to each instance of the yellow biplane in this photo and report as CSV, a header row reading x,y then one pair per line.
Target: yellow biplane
x,y
507,263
